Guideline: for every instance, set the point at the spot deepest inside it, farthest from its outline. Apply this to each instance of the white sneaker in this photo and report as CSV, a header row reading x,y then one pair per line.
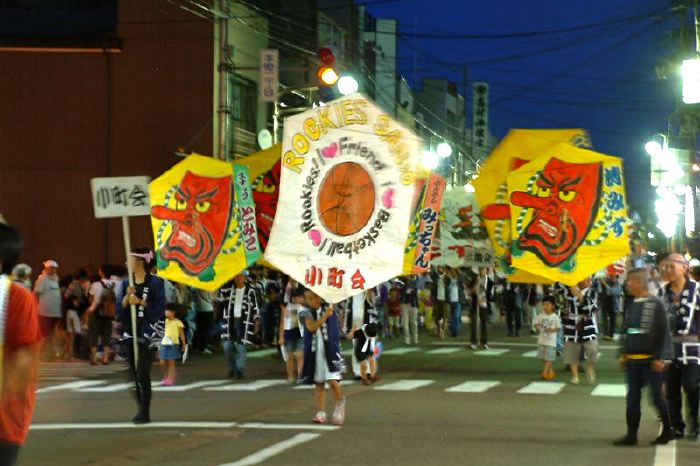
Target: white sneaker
x,y
320,418
473,346
339,413
574,380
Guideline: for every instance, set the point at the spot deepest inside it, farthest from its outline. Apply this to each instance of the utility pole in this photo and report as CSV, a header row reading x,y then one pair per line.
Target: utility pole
x,y
224,104
692,175
462,153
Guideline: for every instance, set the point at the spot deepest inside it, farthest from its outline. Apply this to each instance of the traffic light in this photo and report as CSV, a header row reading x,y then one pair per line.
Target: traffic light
x,y
327,75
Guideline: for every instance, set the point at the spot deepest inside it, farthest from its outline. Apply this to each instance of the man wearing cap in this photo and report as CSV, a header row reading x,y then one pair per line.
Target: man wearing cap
x,y
48,291
682,297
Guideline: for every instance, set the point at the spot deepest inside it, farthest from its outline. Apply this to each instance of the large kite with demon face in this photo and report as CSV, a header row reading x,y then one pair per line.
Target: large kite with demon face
x,y
568,214
195,223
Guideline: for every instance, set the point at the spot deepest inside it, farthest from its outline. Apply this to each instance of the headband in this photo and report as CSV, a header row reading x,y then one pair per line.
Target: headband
x,y
148,257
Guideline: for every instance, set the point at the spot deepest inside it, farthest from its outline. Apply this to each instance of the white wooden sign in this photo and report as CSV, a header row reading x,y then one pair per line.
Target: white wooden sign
x,y
269,74
125,196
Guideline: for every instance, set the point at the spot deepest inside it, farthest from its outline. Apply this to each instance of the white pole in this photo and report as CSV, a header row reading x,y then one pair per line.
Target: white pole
x,y
134,328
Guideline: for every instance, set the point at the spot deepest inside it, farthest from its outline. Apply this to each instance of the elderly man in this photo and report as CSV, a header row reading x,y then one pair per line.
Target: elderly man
x,y
48,292
682,297
644,355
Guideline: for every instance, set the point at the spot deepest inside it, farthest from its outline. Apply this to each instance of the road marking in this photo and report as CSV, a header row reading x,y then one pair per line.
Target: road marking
x,y
266,426
542,388
665,455
276,449
180,425
398,351
131,425
70,385
261,353
474,386
346,352
191,386
117,387
531,354
405,385
247,387
444,351
343,383
492,352
610,389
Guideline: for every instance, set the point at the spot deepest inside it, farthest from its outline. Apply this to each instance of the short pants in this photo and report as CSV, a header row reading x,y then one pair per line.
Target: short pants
x,y
572,351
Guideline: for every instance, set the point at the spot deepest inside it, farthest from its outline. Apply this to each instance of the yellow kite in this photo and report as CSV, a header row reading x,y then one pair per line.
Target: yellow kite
x,y
569,214
517,148
195,225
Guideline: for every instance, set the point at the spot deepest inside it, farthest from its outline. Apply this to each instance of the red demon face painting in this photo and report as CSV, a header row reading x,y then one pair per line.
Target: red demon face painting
x,y
566,203
266,192
203,208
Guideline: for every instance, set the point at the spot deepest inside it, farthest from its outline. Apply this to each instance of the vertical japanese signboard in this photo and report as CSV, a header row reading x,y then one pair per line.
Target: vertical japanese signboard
x,y
480,119
269,74
246,217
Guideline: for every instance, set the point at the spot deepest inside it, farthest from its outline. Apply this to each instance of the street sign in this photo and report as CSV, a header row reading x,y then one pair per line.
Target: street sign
x,y
125,196
269,74
480,119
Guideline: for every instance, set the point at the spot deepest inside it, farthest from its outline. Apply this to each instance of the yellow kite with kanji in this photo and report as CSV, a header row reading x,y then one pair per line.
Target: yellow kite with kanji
x,y
569,214
517,148
196,223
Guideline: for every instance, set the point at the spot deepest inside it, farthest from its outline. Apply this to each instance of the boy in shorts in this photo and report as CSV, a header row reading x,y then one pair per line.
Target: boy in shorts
x,y
547,324
323,362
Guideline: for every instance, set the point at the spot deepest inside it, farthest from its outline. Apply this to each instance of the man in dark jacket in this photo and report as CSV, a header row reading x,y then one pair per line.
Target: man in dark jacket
x,y
644,355
240,309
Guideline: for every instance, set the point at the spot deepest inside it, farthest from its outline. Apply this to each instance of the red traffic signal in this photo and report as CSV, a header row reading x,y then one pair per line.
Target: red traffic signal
x,y
325,54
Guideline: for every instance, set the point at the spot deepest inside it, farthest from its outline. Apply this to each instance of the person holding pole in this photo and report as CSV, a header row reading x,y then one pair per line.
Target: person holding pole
x,y
144,297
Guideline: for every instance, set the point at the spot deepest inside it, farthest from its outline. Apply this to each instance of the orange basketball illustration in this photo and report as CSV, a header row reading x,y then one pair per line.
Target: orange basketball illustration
x,y
346,199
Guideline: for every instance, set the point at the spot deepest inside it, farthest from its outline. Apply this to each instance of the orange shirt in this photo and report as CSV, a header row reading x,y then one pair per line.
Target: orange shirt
x,y
21,331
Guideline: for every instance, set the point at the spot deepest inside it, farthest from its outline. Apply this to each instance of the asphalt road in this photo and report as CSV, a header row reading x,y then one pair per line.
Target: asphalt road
x,y
428,409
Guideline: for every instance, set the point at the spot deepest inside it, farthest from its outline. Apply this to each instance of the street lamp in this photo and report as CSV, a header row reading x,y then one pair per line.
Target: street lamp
x,y
347,85
444,150
469,187
430,160
654,148
690,72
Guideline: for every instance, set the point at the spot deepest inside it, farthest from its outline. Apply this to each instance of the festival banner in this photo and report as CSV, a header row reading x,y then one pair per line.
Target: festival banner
x,y
246,214
264,170
569,214
198,240
424,226
346,191
518,148
464,241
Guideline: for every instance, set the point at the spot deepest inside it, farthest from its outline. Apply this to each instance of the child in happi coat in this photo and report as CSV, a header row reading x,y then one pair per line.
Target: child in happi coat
x,y
323,362
365,340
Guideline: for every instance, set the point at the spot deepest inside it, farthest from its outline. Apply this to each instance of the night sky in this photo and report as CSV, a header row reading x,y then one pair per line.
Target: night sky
x,y
598,74
599,78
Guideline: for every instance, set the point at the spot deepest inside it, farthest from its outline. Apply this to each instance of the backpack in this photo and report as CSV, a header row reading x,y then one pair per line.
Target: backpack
x,y
108,301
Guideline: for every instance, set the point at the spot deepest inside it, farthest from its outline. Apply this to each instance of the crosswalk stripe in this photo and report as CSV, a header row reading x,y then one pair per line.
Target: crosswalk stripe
x,y
246,387
190,386
542,388
405,385
474,386
530,354
492,352
444,351
398,351
70,385
343,383
261,353
117,387
610,389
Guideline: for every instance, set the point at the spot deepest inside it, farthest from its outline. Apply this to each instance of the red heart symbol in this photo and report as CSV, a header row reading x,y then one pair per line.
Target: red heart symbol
x,y
388,198
330,151
315,237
